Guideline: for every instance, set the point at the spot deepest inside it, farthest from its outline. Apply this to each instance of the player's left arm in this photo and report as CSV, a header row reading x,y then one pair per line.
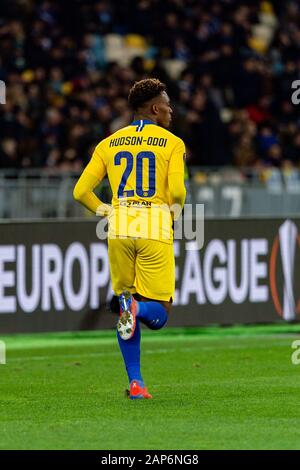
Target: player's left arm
x,y
91,177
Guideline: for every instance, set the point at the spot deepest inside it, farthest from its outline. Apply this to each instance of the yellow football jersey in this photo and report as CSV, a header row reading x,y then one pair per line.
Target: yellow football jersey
x,y
138,160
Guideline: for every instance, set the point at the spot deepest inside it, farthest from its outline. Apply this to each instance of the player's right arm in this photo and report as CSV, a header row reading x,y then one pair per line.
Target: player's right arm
x,y
91,177
176,185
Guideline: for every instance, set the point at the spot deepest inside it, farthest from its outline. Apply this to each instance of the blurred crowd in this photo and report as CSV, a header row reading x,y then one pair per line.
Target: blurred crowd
x,y
232,97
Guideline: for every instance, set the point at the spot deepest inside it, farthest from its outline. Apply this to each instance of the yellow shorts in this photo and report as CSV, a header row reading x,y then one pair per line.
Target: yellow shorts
x,y
146,267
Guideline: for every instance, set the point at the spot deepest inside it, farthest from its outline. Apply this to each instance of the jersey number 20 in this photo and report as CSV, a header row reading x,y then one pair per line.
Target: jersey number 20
x,y
140,158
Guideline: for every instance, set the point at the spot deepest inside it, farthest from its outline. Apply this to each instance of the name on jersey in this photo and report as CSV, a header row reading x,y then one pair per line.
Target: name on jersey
x,y
133,140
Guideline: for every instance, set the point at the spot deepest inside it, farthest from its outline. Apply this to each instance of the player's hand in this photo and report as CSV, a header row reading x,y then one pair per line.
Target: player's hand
x,y
104,210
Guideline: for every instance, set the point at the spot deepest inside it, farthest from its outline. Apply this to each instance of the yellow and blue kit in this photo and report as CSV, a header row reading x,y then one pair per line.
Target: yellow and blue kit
x,y
145,167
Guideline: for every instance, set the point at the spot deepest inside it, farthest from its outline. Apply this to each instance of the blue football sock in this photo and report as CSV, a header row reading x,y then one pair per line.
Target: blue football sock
x,y
130,350
153,314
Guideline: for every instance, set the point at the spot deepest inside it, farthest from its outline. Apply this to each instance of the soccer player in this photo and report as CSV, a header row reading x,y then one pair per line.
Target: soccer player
x,y
145,166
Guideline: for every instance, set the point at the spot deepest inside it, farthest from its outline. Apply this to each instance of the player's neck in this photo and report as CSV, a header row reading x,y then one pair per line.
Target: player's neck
x,y
144,117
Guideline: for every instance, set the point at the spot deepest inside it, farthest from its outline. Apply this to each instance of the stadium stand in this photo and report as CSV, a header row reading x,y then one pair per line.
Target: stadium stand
x,y
228,65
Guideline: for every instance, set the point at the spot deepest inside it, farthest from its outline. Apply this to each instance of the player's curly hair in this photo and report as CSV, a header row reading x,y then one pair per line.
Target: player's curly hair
x,y
143,91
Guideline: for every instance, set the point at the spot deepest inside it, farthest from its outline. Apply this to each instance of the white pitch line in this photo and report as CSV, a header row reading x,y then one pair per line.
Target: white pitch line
x,y
75,356
146,352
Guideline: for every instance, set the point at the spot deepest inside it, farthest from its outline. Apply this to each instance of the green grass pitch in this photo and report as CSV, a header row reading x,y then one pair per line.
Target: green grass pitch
x,y
213,388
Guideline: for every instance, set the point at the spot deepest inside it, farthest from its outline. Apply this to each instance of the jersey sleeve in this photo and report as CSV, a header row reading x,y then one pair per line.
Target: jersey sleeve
x,y
88,181
176,185
97,164
176,162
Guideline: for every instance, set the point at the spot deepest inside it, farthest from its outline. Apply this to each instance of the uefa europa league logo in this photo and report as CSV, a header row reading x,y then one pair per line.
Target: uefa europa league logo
x,y
288,239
